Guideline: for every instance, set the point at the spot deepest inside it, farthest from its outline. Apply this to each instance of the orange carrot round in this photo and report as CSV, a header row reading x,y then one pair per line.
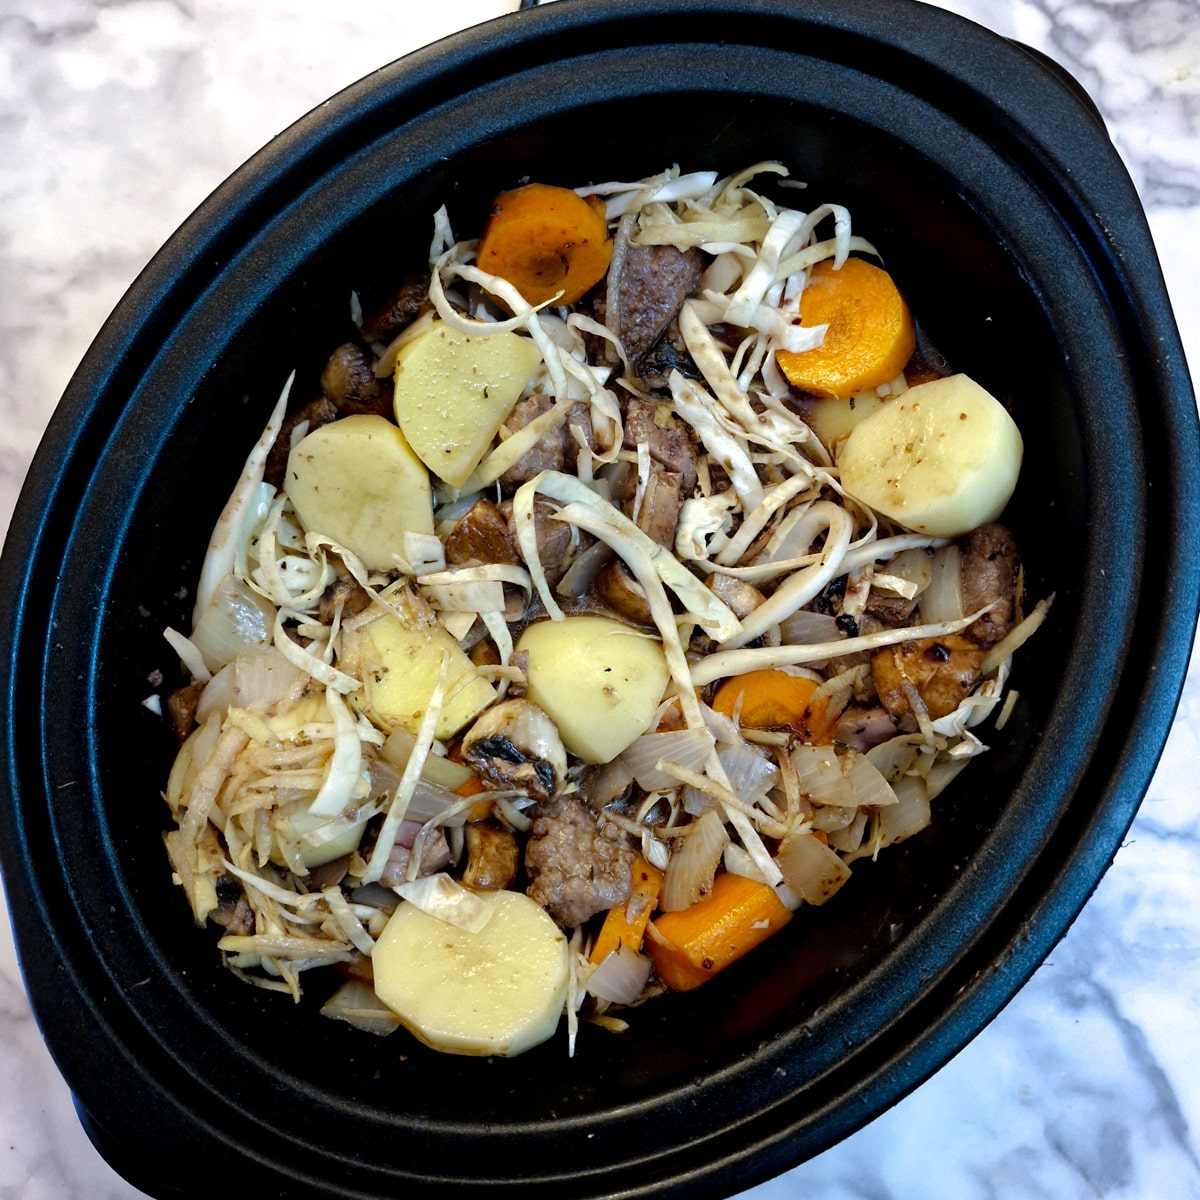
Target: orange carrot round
x,y
769,699
870,336
545,240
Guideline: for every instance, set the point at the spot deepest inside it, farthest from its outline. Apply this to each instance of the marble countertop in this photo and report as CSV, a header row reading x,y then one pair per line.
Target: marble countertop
x,y
117,117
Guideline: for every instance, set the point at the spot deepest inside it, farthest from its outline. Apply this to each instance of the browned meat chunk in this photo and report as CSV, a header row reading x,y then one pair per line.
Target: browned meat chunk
x,y
481,535
658,516
553,538
668,354
862,728
989,574
316,413
579,433
435,854
181,709
349,380
493,856
547,454
576,869
890,611
557,450
666,435
400,310
936,672
652,286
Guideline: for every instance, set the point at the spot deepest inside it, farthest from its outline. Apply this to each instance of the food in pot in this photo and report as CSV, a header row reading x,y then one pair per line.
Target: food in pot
x,y
628,579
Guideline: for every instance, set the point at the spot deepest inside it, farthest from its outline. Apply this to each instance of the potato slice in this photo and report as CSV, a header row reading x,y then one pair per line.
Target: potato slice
x,y
453,391
599,681
357,481
942,458
399,665
498,991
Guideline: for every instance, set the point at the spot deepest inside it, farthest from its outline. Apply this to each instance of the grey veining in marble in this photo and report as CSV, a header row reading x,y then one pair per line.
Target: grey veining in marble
x,y
118,118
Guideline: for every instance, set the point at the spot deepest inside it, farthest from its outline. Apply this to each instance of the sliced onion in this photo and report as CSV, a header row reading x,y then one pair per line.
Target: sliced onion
x,y
870,787
910,814
819,774
621,977
584,568
689,747
441,897
895,756
942,600
803,628
751,775
810,868
847,840
356,1003
690,872
235,619
739,861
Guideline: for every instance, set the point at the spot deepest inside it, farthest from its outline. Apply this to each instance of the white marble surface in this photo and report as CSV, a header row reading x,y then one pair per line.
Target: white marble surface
x,y
117,117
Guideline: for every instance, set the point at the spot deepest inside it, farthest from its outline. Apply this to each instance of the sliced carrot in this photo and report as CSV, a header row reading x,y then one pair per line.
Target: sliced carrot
x,y
544,240
625,925
870,336
769,698
689,947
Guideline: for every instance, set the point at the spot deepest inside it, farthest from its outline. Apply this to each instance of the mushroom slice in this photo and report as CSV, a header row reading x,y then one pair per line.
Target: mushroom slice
x,y
516,746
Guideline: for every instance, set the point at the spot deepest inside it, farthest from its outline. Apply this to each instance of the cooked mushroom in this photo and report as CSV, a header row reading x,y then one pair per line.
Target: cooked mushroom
x,y
741,597
940,672
516,746
493,856
622,593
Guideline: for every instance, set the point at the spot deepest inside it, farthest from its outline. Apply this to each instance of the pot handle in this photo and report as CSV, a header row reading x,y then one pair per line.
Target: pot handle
x,y
1051,67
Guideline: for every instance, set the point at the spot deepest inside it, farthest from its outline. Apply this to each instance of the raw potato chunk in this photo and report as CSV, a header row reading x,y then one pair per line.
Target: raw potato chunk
x,y
453,391
599,681
357,481
941,458
498,991
399,667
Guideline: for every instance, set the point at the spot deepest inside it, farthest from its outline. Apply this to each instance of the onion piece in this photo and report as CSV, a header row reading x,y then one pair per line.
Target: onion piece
x,y
909,815
189,655
942,600
810,868
869,786
356,1003
442,897
408,781
234,620
690,872
819,772
751,775
690,747
621,977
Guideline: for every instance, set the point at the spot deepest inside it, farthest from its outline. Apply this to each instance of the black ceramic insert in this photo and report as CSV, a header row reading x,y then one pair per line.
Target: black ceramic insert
x,y
1004,213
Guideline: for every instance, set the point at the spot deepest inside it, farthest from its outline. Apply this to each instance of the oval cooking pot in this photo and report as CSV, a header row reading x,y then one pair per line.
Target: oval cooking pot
x,y
1003,211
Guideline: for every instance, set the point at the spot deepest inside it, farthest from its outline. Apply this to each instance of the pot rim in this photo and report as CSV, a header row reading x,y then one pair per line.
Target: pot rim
x,y
1085,175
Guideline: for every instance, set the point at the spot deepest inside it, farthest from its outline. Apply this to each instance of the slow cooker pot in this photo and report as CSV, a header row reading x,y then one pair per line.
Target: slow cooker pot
x,y
1002,209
